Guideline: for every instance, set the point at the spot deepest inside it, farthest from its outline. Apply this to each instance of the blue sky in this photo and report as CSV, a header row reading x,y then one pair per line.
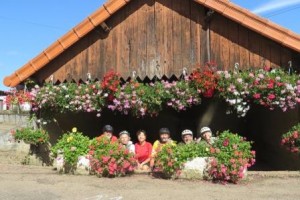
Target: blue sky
x,y
28,27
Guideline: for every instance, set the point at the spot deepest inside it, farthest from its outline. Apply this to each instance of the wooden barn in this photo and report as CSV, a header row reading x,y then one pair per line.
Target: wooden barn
x,y
159,38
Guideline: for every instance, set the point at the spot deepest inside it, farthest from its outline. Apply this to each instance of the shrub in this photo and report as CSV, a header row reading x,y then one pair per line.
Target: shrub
x,y
110,159
30,135
170,160
291,139
232,156
71,145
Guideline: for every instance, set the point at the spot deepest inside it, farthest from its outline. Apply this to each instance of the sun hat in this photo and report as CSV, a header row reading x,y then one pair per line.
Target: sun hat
x,y
164,131
187,132
108,128
124,132
204,129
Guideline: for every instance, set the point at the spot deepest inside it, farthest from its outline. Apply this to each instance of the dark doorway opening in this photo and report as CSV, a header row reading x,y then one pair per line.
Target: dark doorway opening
x,y
261,126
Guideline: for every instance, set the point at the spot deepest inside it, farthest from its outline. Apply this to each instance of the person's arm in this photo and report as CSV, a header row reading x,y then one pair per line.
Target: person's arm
x,y
132,149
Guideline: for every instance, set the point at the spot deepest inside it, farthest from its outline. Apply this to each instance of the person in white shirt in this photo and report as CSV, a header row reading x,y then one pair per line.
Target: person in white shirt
x,y
124,138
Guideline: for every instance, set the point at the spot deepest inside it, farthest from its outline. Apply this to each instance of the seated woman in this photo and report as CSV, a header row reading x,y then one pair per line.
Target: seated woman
x,y
143,150
124,138
206,136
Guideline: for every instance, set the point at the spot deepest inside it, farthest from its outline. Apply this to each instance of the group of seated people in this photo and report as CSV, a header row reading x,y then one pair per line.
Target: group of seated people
x,y
144,151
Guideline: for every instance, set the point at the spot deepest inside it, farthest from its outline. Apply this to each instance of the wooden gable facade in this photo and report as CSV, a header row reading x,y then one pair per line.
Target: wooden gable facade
x,y
157,38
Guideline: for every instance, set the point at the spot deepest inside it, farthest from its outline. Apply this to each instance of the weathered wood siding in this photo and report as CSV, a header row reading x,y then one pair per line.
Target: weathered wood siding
x,y
156,38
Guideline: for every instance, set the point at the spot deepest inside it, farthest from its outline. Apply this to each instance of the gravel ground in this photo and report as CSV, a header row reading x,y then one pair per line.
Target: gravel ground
x,y
38,183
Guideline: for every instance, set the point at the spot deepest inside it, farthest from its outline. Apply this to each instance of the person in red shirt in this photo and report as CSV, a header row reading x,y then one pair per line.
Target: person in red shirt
x,y
107,131
143,150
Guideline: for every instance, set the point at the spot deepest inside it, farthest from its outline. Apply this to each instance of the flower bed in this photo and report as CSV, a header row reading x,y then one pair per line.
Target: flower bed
x,y
230,156
271,89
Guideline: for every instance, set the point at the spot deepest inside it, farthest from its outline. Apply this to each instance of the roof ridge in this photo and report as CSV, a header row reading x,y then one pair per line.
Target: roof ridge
x,y
228,9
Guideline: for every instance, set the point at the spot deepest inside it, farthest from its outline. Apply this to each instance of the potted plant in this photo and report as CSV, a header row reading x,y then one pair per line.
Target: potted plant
x,y
69,148
31,136
19,99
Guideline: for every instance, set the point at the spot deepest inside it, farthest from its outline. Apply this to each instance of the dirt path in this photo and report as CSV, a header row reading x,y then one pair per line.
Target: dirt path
x,y
38,183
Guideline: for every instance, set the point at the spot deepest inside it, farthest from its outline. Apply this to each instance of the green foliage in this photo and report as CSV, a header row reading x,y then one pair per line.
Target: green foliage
x,y
31,135
71,145
171,158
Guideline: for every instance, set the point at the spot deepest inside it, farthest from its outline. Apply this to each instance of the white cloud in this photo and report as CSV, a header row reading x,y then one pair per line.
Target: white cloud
x,y
275,5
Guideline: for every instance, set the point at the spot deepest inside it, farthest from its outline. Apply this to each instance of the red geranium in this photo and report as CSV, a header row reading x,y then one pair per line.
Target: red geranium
x,y
110,84
205,80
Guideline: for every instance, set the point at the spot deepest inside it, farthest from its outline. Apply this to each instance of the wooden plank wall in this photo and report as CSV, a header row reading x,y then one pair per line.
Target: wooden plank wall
x,y
161,37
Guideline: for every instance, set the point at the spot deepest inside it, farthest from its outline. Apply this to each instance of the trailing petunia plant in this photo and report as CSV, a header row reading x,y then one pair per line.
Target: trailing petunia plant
x,y
275,89
234,88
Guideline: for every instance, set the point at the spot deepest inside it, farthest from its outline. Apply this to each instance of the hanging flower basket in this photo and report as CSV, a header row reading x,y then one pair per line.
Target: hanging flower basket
x,y
209,93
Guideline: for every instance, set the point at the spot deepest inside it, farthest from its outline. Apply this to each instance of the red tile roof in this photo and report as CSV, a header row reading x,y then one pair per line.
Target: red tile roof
x,y
224,7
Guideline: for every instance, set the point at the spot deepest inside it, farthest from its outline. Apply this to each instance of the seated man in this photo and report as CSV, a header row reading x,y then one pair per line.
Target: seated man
x,y
206,136
187,136
124,137
164,135
107,132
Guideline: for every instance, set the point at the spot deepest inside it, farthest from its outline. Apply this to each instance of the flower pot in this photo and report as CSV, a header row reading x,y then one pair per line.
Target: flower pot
x,y
25,107
15,108
209,93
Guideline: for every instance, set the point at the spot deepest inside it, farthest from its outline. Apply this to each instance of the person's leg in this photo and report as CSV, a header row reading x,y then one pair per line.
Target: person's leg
x,y
152,161
145,167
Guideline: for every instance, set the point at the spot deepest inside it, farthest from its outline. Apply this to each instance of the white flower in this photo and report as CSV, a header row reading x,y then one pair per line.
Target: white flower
x,y
239,80
289,87
231,101
236,93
